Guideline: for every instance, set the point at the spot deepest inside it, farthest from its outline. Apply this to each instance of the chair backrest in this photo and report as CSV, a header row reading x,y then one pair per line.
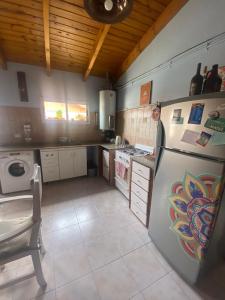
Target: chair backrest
x,y
36,187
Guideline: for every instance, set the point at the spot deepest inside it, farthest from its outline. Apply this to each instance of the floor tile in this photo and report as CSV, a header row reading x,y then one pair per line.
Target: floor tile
x,y
59,240
92,229
142,231
71,264
82,289
58,221
144,267
86,213
10,266
159,256
5,277
127,239
114,282
139,296
28,289
118,219
164,289
104,254
48,296
101,251
110,202
6,294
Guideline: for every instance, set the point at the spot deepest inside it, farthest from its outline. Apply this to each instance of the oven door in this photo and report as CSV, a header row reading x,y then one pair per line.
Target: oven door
x,y
122,171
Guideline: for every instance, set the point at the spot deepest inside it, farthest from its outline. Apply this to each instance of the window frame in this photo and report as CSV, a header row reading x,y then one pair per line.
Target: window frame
x,y
75,122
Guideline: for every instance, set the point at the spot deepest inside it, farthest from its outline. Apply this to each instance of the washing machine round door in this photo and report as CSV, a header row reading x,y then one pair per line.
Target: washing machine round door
x,y
17,168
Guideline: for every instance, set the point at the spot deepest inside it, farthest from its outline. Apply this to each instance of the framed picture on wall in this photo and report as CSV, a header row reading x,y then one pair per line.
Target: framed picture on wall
x,y
146,93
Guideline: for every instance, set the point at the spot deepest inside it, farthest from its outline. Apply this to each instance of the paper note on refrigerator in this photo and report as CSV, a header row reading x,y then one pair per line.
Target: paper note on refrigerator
x,y
204,138
218,138
216,124
190,137
195,116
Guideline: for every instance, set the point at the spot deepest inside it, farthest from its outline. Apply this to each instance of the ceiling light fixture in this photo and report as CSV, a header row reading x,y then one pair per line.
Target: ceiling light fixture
x,y
108,11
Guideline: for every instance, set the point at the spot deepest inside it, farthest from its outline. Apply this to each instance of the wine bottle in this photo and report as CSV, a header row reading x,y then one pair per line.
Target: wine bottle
x,y
196,82
205,75
213,81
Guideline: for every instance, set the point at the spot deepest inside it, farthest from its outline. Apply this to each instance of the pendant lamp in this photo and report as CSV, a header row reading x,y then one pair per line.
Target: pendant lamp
x,y
108,11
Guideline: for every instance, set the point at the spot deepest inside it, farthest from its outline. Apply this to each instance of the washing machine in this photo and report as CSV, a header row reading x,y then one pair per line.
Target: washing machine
x,y
16,170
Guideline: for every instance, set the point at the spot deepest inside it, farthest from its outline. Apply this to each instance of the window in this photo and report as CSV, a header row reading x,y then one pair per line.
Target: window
x,y
77,112
65,111
55,110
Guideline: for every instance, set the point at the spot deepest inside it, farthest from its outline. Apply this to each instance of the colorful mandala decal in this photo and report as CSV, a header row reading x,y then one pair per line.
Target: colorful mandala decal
x,y
193,207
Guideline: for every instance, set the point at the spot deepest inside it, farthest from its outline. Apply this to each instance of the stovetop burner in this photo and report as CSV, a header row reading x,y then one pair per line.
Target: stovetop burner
x,y
134,151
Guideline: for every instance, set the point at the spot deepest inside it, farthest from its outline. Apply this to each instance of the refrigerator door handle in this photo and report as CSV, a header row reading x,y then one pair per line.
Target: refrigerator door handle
x,y
159,144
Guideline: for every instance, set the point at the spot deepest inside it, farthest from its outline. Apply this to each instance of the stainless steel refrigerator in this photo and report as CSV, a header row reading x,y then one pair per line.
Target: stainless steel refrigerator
x,y
187,218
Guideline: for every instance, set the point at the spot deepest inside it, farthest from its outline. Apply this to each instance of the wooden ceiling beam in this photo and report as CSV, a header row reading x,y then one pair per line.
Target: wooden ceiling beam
x,y
46,34
98,45
156,6
3,62
170,11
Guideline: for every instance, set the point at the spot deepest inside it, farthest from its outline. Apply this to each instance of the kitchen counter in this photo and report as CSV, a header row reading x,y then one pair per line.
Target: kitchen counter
x,y
147,161
33,147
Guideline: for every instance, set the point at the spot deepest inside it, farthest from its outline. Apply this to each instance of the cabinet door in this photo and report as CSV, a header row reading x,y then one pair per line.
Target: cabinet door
x,y
50,173
49,158
50,165
80,162
105,158
66,163
106,172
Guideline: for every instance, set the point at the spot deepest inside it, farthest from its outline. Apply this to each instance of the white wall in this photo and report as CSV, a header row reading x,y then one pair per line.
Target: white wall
x,y
197,21
59,86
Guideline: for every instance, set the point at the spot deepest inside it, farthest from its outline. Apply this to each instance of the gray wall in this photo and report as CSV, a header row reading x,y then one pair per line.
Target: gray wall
x,y
197,21
59,86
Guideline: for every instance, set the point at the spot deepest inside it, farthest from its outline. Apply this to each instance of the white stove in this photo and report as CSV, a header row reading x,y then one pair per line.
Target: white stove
x,y
122,165
137,150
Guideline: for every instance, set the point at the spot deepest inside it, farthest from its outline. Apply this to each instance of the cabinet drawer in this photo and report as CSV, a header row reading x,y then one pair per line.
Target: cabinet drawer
x,y
50,173
142,194
49,157
139,180
105,157
141,170
136,210
139,203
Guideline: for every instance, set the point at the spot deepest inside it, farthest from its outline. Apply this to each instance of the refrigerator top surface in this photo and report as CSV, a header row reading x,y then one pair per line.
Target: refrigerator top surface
x,y
196,126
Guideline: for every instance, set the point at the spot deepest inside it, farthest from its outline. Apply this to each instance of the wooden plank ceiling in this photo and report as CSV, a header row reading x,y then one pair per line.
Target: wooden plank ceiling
x,y
73,36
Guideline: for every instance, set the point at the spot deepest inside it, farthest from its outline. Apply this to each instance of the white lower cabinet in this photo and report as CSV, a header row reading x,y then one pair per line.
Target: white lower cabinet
x,y
66,163
63,163
50,165
105,158
105,162
106,172
80,162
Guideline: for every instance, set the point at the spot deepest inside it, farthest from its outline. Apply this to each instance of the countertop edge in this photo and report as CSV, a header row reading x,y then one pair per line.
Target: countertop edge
x,y
145,161
48,147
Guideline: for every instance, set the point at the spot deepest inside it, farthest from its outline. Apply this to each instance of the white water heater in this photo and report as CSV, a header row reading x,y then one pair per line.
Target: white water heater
x,y
107,109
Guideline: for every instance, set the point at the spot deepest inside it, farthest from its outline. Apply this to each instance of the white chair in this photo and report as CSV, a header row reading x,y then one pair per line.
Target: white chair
x,y
22,236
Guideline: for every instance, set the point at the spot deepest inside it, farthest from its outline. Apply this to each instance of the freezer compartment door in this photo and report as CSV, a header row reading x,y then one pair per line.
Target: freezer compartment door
x,y
176,120
183,209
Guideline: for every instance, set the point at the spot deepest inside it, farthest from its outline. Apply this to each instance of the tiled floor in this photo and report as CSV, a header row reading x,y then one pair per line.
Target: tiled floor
x,y
97,249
